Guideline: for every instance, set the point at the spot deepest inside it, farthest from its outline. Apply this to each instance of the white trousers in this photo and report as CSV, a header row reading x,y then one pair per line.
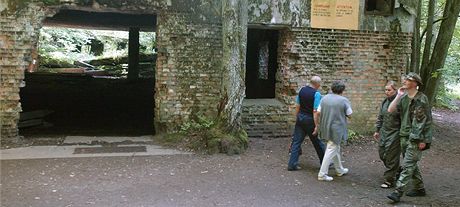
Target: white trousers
x,y
332,154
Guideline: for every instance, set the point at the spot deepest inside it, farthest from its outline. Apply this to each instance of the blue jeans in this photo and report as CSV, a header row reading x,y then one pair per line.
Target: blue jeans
x,y
304,126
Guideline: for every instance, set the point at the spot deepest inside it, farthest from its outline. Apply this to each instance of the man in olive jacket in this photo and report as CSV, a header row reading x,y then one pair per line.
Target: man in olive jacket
x,y
415,134
387,134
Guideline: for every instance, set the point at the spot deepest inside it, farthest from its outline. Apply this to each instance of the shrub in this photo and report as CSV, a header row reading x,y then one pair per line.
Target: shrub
x,y
354,136
208,136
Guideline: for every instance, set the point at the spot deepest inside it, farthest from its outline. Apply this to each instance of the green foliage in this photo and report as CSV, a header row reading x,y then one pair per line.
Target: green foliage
x,y
202,124
353,136
49,62
451,70
209,136
448,90
446,98
51,2
68,45
450,73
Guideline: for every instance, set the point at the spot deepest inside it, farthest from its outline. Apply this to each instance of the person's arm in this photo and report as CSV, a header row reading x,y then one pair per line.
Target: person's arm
x,y
316,104
297,107
316,119
348,110
393,105
378,124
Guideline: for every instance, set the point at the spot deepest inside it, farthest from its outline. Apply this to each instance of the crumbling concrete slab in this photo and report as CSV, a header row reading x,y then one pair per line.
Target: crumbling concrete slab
x,y
101,139
51,152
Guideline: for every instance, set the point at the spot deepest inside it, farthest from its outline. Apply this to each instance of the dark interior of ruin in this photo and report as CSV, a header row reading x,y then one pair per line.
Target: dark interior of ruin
x,y
88,106
261,63
379,7
84,104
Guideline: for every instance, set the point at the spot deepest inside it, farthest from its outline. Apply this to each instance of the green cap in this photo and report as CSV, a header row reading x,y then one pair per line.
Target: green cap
x,y
414,77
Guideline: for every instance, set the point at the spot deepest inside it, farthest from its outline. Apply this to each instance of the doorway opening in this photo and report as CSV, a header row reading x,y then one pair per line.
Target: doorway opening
x,y
92,75
261,63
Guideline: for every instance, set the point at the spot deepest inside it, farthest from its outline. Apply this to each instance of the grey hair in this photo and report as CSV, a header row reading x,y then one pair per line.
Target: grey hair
x,y
338,87
392,84
315,80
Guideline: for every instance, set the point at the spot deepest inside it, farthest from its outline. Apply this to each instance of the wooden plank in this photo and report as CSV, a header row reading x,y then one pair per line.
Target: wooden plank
x,y
34,114
30,123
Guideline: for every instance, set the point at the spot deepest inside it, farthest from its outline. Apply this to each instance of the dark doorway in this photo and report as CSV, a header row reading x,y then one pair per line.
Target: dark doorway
x,y
80,84
261,63
379,7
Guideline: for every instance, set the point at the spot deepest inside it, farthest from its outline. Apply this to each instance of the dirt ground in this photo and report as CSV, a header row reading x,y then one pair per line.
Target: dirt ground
x,y
256,178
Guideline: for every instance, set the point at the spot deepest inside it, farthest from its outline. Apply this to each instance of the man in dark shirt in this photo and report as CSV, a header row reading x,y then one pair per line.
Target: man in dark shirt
x,y
308,101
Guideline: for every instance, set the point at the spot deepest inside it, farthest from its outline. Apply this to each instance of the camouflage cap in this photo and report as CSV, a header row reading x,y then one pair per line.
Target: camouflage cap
x,y
414,77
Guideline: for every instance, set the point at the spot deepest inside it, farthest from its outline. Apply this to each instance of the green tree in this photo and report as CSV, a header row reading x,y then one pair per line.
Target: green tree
x,y
435,56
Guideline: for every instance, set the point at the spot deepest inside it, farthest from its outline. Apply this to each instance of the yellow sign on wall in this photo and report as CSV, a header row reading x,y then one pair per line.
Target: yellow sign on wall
x,y
335,14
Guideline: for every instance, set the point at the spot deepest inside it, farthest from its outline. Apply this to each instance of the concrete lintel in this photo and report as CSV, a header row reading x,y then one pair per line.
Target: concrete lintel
x,y
268,26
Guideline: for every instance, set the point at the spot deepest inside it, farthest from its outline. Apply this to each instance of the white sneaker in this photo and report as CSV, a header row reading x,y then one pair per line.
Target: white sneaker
x,y
325,178
343,172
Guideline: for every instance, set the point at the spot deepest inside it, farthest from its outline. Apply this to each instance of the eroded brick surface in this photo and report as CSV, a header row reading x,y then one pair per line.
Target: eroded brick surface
x,y
188,76
364,60
18,35
191,68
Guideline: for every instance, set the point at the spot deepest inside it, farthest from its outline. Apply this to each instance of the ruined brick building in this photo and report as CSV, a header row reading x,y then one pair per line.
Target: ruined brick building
x,y
249,57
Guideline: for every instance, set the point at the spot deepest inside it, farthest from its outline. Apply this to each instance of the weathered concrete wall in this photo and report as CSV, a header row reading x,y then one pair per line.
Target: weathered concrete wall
x,y
403,18
279,12
364,60
296,13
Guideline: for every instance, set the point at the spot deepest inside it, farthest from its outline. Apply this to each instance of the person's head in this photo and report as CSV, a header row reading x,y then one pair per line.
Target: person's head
x,y
390,88
412,80
315,82
338,87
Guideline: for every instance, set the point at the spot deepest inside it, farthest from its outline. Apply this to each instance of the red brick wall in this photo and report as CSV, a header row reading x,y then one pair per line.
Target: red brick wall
x,y
18,35
364,60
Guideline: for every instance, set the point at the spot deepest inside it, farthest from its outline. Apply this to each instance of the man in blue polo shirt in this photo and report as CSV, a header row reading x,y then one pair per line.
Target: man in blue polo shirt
x,y
308,101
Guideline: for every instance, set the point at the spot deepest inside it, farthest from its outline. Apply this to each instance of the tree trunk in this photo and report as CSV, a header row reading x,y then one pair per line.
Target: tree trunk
x,y
441,47
415,55
234,30
424,71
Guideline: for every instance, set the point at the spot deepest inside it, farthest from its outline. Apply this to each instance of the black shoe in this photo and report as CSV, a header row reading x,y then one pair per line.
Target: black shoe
x,y
395,196
416,193
294,168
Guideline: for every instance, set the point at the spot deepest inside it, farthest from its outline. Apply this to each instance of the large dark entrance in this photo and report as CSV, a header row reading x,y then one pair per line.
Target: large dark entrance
x,y
261,63
110,94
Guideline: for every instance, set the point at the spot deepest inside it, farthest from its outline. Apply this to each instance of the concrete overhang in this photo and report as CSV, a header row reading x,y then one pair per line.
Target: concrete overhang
x,y
102,20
